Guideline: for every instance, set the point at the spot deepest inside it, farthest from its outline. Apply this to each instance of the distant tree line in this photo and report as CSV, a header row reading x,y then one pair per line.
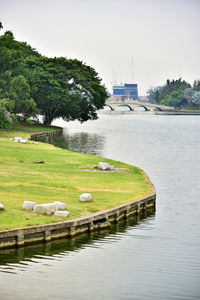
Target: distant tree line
x,y
177,93
32,84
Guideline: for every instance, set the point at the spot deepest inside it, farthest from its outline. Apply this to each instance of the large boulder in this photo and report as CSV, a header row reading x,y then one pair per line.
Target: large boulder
x,y
61,213
47,208
85,197
1,206
60,205
29,205
105,166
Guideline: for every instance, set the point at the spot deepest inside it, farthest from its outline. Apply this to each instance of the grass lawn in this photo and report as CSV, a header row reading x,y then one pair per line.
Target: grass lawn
x,y
60,178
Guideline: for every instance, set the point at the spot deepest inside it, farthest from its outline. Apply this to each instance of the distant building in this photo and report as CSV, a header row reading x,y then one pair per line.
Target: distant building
x,y
125,92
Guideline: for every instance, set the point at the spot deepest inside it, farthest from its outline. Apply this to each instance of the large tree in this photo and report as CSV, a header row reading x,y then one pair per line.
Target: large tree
x,y
65,88
177,86
59,87
175,98
196,85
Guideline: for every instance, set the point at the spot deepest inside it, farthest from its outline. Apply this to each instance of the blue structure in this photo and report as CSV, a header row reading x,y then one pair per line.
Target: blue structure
x,y
118,90
126,91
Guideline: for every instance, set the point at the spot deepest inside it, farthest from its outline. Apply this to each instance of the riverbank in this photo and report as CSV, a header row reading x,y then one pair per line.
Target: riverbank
x,y
63,176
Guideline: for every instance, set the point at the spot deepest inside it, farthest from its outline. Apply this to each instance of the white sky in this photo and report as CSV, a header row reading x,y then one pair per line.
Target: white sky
x,y
162,36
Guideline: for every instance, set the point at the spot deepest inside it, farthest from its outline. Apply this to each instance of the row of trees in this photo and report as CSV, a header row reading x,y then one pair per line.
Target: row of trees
x,y
32,84
177,93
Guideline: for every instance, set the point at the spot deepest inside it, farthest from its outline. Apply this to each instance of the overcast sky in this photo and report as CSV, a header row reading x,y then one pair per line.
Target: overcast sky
x,y
161,37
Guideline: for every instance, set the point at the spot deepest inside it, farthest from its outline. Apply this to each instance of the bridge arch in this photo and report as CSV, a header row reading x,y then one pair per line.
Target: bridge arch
x,y
145,108
111,108
157,108
126,105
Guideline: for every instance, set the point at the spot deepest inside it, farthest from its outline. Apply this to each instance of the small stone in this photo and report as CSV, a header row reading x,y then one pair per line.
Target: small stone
x,y
17,139
85,197
105,166
21,161
1,206
28,205
60,205
39,162
11,139
36,143
22,141
48,208
61,213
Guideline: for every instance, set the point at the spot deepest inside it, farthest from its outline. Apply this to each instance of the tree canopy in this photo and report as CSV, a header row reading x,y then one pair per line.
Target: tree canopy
x,y
177,93
53,87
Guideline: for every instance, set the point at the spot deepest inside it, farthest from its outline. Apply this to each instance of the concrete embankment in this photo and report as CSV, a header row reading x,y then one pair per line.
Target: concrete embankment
x,y
45,133
96,221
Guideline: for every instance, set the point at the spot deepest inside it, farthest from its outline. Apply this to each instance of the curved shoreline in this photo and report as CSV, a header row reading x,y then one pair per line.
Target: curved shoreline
x,y
100,220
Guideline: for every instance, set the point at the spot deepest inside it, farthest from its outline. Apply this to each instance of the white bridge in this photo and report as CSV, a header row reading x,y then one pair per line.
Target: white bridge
x,y
132,104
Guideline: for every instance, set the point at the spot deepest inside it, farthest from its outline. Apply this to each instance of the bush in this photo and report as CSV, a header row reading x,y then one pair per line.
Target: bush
x,y
6,118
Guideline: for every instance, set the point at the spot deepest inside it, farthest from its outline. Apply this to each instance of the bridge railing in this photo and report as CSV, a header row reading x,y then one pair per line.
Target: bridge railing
x,y
136,102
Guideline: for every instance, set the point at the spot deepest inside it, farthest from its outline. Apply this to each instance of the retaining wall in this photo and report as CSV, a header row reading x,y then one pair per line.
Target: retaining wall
x,y
99,220
45,133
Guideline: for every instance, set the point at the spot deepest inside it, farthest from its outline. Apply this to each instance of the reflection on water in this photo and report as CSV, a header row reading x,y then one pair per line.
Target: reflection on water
x,y
19,258
80,142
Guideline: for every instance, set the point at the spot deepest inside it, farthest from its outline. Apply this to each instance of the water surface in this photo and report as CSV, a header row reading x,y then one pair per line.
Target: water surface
x,y
156,258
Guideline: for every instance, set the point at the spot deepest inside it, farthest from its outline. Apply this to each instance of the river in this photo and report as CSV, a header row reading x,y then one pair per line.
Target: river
x,y
156,257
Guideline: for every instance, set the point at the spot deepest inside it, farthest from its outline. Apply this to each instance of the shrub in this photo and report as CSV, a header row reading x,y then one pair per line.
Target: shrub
x,y
6,118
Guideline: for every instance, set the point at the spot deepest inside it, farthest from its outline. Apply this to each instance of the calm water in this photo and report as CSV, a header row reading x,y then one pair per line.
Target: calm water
x,y
157,257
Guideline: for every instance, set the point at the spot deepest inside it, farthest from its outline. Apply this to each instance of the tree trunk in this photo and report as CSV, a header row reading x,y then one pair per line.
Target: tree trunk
x,y
47,120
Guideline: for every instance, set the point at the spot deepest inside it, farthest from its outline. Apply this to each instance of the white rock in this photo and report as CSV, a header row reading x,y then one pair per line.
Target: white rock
x,y
47,208
60,205
11,139
29,205
85,197
17,139
105,166
22,141
1,206
61,213
36,143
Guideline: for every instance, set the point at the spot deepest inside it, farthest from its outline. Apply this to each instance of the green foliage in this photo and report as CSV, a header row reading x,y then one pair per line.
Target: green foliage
x,y
175,99
172,86
20,94
166,93
6,120
196,85
58,87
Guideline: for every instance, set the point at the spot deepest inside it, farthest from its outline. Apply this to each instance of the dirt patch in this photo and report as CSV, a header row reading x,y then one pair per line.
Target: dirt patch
x,y
117,170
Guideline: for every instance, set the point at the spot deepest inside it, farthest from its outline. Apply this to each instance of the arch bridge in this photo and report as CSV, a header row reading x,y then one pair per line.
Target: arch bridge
x,y
133,104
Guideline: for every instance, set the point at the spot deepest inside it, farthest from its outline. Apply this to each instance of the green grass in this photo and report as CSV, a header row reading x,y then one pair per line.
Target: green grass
x,y
60,178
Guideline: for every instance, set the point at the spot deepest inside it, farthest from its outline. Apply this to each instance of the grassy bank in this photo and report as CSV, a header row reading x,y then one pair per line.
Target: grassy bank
x,y
61,178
